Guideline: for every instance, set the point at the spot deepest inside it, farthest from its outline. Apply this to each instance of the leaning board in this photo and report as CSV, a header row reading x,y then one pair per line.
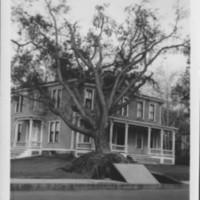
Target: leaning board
x,y
135,174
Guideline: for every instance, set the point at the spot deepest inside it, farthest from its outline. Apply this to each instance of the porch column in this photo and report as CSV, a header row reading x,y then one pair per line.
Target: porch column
x,y
73,132
41,133
161,141
126,137
111,134
173,142
30,132
149,140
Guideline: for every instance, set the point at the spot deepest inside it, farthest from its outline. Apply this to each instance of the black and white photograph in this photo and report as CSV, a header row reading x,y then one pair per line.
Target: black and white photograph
x,y
100,100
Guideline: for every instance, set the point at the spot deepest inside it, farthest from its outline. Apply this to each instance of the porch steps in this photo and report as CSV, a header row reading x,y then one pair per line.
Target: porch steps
x,y
143,159
18,153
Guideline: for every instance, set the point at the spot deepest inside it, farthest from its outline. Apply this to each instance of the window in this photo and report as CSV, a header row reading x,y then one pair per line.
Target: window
x,y
81,137
19,132
88,101
118,137
167,140
54,132
139,142
124,110
36,103
152,112
57,97
19,104
140,110
155,139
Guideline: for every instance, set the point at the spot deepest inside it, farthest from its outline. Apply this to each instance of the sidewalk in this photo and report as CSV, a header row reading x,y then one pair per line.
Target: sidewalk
x,y
84,184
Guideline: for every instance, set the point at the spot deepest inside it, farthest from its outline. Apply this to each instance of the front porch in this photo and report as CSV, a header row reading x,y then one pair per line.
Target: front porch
x,y
144,141
27,133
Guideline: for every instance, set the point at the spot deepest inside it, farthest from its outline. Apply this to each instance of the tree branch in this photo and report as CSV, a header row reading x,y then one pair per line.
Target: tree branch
x,y
78,104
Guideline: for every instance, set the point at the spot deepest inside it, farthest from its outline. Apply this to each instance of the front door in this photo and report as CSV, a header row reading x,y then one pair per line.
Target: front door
x,y
139,143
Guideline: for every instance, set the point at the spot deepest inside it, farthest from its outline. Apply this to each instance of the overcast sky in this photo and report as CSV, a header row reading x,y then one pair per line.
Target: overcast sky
x,y
83,11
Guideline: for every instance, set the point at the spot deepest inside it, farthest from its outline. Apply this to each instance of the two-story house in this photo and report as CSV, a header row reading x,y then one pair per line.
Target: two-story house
x,y
135,130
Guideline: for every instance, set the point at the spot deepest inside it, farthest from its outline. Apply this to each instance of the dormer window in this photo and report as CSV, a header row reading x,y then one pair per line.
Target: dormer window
x,y
140,110
57,97
19,104
88,101
152,112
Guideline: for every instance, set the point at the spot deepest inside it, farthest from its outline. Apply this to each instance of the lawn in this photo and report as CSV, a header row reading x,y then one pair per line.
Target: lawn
x,y
178,172
41,167
50,167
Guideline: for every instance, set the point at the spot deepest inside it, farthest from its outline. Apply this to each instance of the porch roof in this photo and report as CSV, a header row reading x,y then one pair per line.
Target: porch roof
x,y
141,123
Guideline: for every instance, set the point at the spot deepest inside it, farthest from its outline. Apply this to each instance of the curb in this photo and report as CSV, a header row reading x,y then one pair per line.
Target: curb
x,y
91,186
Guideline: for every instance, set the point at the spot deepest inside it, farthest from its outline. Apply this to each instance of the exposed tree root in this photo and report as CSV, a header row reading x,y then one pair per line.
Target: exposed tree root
x,y
96,165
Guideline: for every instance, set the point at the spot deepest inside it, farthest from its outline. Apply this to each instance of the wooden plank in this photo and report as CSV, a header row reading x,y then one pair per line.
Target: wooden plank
x,y
135,174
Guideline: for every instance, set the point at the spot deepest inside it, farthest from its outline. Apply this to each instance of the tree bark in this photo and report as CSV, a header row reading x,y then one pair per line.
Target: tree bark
x,y
101,141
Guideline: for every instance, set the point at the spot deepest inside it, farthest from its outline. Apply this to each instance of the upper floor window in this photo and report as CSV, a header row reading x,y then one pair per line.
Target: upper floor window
x,y
57,97
88,101
140,110
19,104
124,110
36,103
54,131
152,112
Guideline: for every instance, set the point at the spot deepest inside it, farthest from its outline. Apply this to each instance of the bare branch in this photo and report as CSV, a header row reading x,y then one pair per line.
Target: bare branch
x,y
78,104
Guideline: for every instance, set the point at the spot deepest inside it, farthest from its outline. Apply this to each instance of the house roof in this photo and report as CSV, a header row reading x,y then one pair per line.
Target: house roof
x,y
145,92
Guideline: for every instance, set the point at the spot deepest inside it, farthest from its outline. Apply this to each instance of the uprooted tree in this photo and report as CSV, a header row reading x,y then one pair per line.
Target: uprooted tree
x,y
114,57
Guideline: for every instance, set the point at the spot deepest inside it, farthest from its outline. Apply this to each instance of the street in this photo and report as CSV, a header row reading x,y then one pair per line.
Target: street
x,y
178,194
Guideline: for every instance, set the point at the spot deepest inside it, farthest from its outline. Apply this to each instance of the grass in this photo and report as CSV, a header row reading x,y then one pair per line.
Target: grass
x,y
42,167
50,167
178,172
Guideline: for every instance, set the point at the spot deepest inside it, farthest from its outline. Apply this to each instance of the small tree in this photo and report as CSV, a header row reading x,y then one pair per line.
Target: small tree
x,y
181,96
114,57
166,81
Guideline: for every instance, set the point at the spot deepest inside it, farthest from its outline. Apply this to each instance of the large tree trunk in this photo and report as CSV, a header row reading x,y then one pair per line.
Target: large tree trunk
x,y
101,140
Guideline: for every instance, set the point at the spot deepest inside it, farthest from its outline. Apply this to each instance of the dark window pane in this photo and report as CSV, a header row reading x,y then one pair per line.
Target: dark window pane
x,y
19,132
140,110
86,138
59,98
56,136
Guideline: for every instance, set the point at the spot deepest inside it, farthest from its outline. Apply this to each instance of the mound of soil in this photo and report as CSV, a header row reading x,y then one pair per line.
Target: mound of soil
x,y
95,164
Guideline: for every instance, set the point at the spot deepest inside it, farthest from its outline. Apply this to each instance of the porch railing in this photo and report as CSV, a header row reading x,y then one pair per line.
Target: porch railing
x,y
169,153
35,144
21,144
161,152
155,151
118,148
26,144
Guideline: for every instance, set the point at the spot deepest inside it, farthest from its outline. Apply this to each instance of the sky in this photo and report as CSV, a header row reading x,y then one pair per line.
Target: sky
x,y
82,11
